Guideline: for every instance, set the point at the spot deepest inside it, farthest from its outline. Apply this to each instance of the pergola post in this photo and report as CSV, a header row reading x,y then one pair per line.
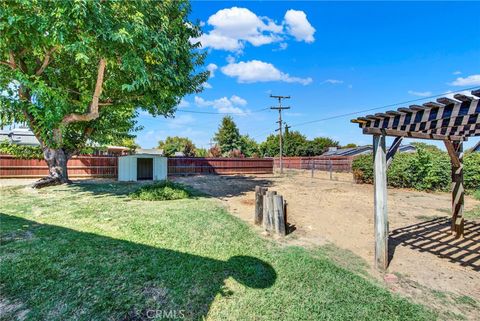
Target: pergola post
x,y
455,150
381,215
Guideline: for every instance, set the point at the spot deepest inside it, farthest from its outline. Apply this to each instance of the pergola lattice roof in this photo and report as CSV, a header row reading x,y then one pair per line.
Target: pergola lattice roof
x,y
446,119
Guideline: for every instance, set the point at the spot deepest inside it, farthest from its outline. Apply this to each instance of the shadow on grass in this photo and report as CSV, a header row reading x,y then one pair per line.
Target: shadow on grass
x,y
60,273
434,237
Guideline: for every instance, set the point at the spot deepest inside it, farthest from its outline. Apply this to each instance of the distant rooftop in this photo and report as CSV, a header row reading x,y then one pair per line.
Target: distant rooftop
x,y
19,136
361,150
150,151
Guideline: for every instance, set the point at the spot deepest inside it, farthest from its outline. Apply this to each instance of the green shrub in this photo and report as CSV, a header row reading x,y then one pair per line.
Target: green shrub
x,y
426,169
161,191
471,171
20,151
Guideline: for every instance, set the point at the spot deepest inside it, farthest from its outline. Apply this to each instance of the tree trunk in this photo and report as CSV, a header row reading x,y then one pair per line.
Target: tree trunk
x,y
57,166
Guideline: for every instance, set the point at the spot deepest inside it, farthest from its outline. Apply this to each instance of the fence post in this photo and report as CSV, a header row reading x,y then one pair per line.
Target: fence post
x,y
268,211
330,168
259,196
279,217
312,165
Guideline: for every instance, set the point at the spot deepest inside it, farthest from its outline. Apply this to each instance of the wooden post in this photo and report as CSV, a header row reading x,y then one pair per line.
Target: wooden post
x,y
312,165
279,216
458,192
330,168
259,193
268,211
381,215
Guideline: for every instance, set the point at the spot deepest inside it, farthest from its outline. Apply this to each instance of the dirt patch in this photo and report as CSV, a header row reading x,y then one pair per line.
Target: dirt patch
x,y
12,310
338,211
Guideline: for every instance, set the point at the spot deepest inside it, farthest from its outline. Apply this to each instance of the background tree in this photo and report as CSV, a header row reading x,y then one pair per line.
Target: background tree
x,y
270,147
228,136
76,71
350,145
214,151
249,146
294,143
201,152
172,145
319,145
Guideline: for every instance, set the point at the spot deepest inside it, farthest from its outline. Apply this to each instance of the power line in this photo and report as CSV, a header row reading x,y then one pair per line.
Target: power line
x,y
280,124
381,107
217,113
370,109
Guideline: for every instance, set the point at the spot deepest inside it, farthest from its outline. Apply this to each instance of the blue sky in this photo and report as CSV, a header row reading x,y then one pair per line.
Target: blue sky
x,y
331,58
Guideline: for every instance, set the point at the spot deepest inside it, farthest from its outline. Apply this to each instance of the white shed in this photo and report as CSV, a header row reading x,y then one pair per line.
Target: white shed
x,y
142,167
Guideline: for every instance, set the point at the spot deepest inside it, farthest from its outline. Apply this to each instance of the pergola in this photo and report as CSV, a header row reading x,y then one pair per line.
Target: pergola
x,y
450,120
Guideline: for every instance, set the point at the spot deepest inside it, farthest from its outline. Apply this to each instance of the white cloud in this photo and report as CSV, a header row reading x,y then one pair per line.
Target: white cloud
x,y
471,80
183,103
238,100
420,93
457,72
332,81
281,46
224,104
212,68
180,121
233,27
259,71
207,85
298,26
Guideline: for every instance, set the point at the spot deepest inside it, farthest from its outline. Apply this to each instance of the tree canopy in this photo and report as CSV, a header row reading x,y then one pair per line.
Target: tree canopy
x,y
77,71
228,136
172,145
296,144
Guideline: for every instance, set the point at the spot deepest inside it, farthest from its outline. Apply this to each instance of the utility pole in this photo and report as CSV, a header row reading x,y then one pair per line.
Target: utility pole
x,y
286,136
280,124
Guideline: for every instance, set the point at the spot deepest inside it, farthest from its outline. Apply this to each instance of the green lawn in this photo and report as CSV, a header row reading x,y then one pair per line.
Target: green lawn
x,y
89,252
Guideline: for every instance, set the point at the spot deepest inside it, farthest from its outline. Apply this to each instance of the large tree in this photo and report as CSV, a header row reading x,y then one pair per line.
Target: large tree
x,y
228,136
77,71
174,144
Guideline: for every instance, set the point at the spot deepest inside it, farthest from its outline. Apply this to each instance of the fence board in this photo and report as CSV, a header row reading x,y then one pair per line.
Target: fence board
x,y
79,166
322,163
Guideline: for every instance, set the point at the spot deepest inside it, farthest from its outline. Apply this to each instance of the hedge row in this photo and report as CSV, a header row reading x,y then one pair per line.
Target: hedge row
x,y
425,169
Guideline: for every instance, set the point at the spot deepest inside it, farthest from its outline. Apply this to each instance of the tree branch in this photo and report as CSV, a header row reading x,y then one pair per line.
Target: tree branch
x,y
6,63
11,61
93,109
46,61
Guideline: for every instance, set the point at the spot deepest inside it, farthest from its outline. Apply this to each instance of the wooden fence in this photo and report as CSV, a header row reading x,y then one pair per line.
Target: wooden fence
x,y
199,165
79,166
321,163
107,166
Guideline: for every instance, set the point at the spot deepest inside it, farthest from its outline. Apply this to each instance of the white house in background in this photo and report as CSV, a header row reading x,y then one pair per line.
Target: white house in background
x,y
361,150
20,136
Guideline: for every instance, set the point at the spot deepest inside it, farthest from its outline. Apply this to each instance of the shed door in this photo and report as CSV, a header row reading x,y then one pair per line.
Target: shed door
x,y
144,169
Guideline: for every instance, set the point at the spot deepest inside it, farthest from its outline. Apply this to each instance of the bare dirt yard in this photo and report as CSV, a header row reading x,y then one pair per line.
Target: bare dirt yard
x,y
427,263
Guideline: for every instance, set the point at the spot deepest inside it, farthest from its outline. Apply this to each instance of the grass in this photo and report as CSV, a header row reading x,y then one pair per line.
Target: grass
x,y
161,191
90,252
